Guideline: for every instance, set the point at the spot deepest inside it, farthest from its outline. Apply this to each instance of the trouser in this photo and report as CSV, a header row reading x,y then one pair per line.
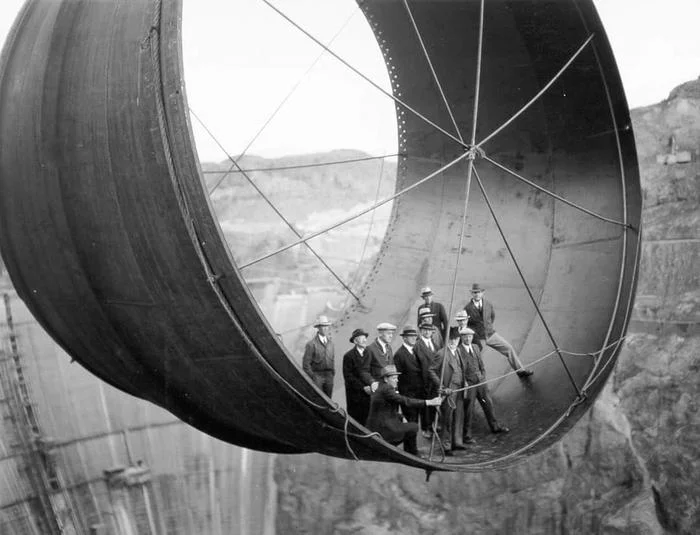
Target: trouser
x,y
324,380
410,431
427,418
358,407
453,422
502,345
410,443
480,393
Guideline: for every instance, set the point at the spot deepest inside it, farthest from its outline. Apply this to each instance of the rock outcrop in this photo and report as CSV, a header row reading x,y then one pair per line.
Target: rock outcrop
x,y
630,465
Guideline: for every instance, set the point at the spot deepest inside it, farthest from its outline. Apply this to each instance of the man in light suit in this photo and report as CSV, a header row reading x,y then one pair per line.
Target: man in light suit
x,y
451,377
475,374
379,351
414,380
481,317
319,357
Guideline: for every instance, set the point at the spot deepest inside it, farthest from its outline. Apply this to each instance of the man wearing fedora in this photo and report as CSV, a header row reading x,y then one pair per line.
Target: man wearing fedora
x,y
481,317
319,357
475,375
414,380
380,352
384,417
359,383
426,350
433,312
451,377
462,319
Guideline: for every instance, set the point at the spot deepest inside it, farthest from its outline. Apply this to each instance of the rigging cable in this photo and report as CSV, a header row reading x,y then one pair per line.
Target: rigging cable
x,y
282,103
302,166
471,155
365,77
555,196
539,93
432,70
525,284
371,223
277,211
357,214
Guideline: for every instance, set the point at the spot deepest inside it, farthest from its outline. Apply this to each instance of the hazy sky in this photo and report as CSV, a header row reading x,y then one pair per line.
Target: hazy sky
x,y
242,59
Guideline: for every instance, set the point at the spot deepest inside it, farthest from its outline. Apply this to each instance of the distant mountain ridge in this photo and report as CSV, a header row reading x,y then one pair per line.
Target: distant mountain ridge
x,y
336,179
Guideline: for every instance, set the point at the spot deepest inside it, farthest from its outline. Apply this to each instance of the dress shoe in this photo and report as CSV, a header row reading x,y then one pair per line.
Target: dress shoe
x,y
524,373
501,429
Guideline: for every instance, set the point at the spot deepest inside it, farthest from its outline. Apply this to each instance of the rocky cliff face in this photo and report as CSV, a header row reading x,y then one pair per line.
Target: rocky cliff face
x,y
629,466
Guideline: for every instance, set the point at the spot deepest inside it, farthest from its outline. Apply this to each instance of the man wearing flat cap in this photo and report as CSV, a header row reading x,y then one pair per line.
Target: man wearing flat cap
x,y
475,375
359,383
319,357
433,312
384,417
481,317
414,380
380,352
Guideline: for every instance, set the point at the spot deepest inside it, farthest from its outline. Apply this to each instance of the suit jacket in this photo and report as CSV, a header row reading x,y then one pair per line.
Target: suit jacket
x,y
378,359
414,380
427,355
356,375
319,357
481,321
384,413
356,372
474,365
439,319
455,369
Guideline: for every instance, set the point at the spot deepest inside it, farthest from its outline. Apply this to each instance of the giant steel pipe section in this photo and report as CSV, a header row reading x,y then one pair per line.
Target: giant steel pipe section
x,y
108,233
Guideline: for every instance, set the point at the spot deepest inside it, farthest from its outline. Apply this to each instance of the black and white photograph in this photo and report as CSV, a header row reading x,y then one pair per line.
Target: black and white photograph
x,y
371,267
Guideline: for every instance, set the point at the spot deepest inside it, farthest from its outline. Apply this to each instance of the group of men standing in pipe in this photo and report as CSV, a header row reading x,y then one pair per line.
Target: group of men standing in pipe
x,y
414,380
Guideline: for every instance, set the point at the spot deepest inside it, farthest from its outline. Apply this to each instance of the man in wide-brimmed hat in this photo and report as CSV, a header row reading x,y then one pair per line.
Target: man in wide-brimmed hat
x,y
319,357
461,318
478,390
384,416
481,317
414,380
380,351
359,383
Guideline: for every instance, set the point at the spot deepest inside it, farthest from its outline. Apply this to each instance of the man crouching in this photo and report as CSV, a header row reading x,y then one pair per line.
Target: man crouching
x,y
384,416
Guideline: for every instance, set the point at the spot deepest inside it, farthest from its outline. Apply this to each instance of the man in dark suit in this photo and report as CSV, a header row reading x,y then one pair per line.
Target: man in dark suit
x,y
414,380
358,380
426,350
451,377
319,357
384,416
481,317
438,315
380,351
475,374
